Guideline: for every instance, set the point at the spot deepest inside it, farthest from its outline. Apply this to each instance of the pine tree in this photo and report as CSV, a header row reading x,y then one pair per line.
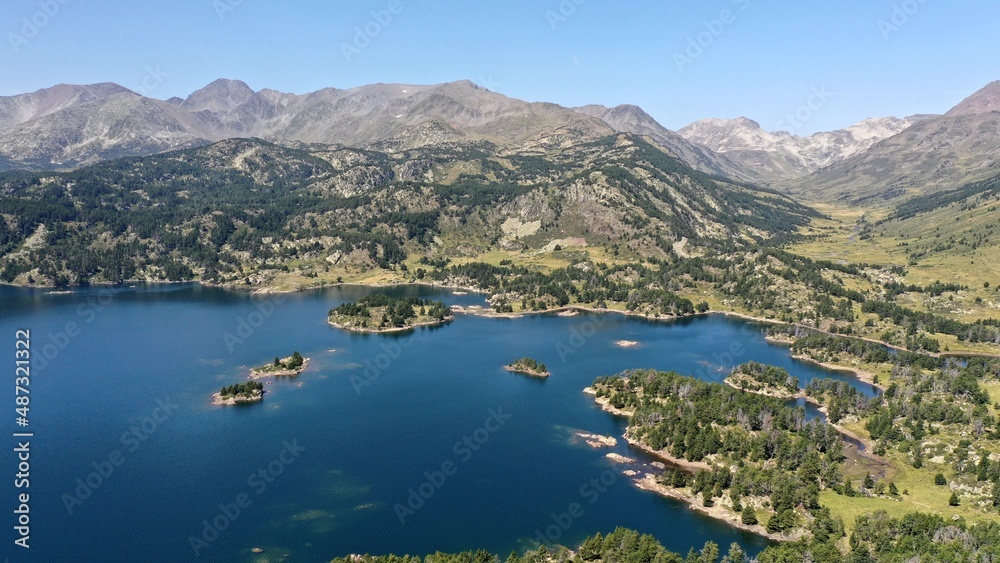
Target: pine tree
x,y
709,553
953,501
735,555
749,516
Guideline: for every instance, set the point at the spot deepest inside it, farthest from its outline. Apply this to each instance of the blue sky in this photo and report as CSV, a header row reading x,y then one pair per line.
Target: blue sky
x,y
806,66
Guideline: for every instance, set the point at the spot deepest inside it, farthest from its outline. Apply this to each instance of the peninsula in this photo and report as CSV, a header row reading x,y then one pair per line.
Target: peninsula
x,y
744,458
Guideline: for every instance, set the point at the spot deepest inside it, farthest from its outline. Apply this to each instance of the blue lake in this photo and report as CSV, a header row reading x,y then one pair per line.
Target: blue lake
x,y
129,461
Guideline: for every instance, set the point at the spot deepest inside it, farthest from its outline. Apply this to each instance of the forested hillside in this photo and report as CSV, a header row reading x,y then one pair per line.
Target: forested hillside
x,y
248,212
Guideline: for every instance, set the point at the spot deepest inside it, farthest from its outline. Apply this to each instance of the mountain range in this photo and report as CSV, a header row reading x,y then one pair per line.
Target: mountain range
x,y
783,156
877,160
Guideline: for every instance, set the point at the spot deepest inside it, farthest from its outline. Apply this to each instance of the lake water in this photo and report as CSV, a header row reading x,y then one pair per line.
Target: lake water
x,y
407,443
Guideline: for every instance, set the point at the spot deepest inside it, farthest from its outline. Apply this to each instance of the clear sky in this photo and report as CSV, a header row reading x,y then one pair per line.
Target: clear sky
x,y
681,61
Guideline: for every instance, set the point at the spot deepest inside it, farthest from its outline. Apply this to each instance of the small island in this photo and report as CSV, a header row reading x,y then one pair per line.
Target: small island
x,y
765,380
280,367
382,313
528,366
239,393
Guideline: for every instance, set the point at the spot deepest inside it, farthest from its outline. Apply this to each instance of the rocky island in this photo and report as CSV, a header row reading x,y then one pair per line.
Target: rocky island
x,y
281,367
382,313
239,393
529,367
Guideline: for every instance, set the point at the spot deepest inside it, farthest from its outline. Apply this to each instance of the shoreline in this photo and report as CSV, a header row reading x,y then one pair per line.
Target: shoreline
x,y
362,330
717,512
689,466
606,404
868,444
720,511
485,313
255,374
218,401
859,374
525,371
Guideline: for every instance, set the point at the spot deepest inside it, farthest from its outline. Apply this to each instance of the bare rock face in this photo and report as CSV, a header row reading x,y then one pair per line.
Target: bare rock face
x,y
781,155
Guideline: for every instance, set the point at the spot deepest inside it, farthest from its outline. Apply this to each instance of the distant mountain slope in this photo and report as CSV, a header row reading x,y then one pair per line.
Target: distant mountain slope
x,y
102,128
937,153
15,110
68,126
782,156
985,100
79,125
633,119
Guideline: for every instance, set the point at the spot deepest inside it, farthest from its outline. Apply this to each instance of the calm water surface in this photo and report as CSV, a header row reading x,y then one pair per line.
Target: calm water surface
x,y
326,464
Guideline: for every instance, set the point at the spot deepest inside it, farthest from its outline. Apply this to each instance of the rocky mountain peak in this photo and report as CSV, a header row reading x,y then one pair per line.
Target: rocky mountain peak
x,y
219,96
985,100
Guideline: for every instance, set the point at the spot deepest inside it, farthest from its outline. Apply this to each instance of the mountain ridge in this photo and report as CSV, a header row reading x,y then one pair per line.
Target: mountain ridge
x,y
937,153
386,115
780,155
